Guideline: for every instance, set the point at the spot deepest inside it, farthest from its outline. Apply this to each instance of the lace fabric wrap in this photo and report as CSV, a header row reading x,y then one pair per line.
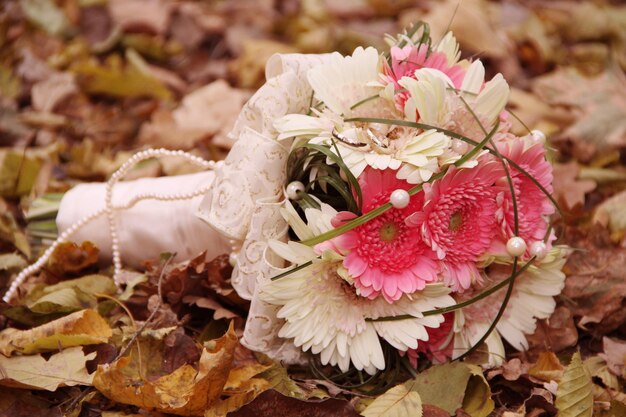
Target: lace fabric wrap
x,y
245,199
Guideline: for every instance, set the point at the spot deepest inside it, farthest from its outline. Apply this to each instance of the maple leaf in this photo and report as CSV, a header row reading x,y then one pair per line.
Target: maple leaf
x,y
187,391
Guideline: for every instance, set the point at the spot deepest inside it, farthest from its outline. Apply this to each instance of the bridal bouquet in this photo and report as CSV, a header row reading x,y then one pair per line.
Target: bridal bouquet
x,y
375,207
409,202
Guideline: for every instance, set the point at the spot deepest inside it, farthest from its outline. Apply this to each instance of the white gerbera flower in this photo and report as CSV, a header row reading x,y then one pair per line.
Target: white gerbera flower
x,y
324,314
415,155
532,299
435,99
450,47
346,81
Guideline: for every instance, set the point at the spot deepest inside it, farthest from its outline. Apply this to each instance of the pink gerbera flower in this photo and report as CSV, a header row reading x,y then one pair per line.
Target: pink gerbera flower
x,y
459,220
405,61
385,255
532,204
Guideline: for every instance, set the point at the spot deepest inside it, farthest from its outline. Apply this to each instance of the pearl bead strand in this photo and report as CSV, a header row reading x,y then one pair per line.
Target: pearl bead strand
x,y
110,210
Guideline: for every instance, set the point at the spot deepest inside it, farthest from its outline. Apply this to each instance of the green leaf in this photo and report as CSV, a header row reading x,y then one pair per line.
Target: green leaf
x,y
465,387
398,401
574,396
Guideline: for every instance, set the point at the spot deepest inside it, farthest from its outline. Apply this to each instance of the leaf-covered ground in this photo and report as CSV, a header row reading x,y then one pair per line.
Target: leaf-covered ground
x,y
85,83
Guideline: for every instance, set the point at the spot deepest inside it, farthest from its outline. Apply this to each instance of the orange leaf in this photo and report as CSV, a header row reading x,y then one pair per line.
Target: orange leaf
x,y
188,391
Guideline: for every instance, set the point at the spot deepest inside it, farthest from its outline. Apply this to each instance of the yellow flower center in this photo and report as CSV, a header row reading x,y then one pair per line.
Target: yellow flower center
x,y
388,231
456,220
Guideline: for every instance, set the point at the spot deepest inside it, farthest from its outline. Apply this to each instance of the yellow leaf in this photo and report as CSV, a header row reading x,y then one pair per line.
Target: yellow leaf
x,y
115,79
240,388
598,367
547,368
84,327
247,391
17,173
574,396
398,401
238,376
465,384
46,14
188,391
279,380
66,368
11,232
477,401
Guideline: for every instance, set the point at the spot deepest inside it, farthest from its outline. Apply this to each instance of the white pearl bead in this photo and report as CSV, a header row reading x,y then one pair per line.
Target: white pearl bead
x,y
293,189
539,250
459,146
400,199
538,136
232,258
516,246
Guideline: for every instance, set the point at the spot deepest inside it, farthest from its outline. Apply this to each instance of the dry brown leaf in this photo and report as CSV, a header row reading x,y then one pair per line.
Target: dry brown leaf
x,y
273,403
151,15
598,105
22,403
240,388
66,368
556,333
208,112
595,283
534,113
568,189
187,391
547,368
220,312
471,22
614,355
46,94
211,111
611,213
249,68
70,258
85,327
